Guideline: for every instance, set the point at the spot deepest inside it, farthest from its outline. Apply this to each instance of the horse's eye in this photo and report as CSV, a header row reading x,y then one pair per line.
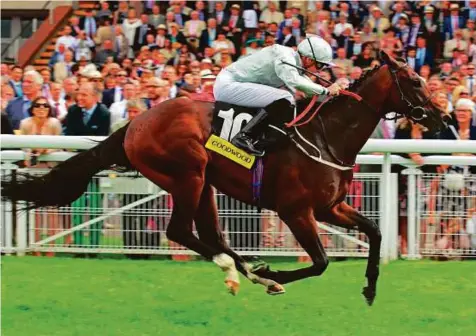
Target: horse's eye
x,y
416,82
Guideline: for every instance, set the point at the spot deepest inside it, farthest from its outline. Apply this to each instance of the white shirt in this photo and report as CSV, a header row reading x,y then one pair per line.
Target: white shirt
x,y
250,18
117,94
62,110
68,41
129,30
266,67
339,28
118,111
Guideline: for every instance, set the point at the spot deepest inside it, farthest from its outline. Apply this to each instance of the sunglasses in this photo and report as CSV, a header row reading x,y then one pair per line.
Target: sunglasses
x,y
45,105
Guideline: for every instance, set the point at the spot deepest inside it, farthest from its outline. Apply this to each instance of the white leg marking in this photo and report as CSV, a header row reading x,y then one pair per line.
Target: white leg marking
x,y
227,265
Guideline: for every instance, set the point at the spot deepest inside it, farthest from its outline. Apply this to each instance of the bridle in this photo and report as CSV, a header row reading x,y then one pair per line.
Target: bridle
x,y
417,113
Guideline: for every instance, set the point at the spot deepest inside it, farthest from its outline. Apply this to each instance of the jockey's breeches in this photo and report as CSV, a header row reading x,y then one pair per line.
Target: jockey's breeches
x,y
227,90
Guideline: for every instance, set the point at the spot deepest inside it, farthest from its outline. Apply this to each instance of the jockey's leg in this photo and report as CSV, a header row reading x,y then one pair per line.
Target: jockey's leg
x,y
246,138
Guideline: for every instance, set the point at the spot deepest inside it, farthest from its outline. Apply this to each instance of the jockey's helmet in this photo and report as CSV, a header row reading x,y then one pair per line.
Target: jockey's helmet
x,y
316,48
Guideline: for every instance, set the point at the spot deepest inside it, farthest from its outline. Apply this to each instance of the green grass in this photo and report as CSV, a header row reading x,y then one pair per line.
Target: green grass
x,y
62,296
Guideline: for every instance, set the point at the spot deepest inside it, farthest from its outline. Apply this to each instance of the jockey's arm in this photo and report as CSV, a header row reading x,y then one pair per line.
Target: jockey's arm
x,y
291,77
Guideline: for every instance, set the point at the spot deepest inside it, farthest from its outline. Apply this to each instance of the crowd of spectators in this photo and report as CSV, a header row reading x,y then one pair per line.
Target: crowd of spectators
x,y
124,57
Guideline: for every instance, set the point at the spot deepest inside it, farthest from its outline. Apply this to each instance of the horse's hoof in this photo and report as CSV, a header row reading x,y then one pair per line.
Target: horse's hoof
x,y
275,289
233,287
369,295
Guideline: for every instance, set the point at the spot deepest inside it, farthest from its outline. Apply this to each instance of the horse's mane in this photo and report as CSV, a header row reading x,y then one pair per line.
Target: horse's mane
x,y
356,85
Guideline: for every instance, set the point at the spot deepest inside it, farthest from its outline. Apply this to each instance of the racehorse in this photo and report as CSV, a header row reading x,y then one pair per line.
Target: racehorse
x,y
167,145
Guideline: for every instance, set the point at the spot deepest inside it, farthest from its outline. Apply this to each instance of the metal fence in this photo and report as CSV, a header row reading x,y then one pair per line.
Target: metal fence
x,y
124,213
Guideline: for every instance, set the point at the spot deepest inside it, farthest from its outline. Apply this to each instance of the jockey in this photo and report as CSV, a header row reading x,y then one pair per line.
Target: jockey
x,y
254,81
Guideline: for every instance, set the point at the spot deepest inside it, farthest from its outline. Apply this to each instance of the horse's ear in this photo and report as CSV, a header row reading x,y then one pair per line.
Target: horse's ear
x,y
387,59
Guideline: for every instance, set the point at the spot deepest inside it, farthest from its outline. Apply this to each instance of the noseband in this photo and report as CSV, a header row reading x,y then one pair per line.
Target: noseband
x,y
417,113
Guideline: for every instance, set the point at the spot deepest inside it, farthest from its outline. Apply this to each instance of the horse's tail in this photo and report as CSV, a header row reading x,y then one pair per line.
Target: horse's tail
x,y
67,181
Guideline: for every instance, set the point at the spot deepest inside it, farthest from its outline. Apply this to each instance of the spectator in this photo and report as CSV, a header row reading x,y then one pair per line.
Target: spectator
x,y
342,62
15,81
82,46
132,109
121,14
104,12
88,24
297,31
75,25
40,122
153,91
193,29
106,53
88,117
45,88
104,32
141,32
271,14
118,109
176,35
456,43
208,35
222,44
287,38
155,18
57,103
378,22
364,59
66,39
7,94
219,15
17,109
416,29
114,95
453,22
129,27
120,42
355,74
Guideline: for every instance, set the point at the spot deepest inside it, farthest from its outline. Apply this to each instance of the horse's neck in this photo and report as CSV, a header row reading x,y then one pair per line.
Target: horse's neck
x,y
350,124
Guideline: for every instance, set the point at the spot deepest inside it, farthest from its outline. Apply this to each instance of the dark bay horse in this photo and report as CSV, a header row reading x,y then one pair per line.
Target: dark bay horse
x,y
166,145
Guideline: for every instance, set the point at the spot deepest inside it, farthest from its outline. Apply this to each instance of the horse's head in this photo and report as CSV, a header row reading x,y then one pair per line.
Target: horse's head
x,y
410,97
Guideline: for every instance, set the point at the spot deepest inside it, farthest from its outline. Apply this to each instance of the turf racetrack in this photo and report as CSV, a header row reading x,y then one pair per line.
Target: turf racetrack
x,y
63,296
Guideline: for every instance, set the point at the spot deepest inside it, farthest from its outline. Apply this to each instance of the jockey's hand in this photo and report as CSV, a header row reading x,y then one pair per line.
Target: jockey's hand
x,y
334,89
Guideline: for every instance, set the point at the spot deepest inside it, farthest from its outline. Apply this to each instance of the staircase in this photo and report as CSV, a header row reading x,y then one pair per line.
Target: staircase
x,y
44,57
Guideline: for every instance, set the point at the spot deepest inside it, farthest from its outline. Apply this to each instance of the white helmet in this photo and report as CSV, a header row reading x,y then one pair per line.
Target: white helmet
x,y
316,48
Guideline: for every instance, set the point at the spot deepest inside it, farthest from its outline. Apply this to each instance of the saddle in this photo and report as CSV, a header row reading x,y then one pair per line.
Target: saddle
x,y
229,120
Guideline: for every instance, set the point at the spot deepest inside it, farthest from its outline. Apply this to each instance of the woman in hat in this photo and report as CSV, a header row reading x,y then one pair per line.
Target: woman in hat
x,y
256,81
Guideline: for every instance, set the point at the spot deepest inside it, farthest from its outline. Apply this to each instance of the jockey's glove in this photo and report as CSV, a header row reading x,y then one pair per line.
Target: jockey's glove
x,y
334,89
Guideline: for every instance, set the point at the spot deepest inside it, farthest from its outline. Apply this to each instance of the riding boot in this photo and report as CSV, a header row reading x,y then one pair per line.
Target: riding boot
x,y
245,139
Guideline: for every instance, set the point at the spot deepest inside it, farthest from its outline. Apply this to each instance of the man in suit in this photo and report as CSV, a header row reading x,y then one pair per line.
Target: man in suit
x,y
141,32
219,14
453,22
17,109
455,43
88,116
193,29
234,25
423,54
16,75
416,29
342,62
88,23
208,35
115,95
287,39
179,16
62,70
118,109
378,23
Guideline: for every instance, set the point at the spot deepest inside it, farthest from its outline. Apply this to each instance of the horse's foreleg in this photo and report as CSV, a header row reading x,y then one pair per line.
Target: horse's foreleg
x,y
304,228
345,216
209,231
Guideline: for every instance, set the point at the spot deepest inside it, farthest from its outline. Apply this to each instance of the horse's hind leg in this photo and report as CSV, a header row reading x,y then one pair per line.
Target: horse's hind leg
x,y
209,231
304,228
345,216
